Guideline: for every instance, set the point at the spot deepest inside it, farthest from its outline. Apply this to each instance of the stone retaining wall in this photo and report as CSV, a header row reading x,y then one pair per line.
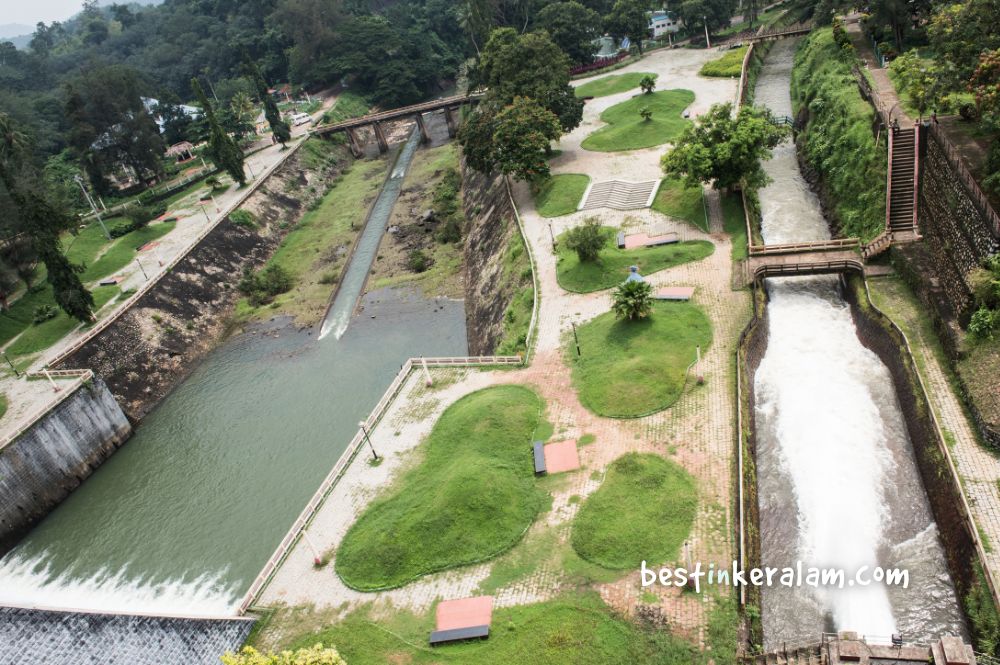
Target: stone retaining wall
x,y
43,465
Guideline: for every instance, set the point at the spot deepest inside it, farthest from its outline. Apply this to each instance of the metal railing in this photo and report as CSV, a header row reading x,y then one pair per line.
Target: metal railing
x,y
797,247
957,164
82,376
536,301
337,472
815,268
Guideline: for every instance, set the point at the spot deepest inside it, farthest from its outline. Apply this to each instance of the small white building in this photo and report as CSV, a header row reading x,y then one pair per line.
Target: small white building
x,y
662,22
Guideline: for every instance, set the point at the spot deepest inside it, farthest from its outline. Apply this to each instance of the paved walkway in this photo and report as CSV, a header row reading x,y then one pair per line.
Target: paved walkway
x,y
879,75
697,432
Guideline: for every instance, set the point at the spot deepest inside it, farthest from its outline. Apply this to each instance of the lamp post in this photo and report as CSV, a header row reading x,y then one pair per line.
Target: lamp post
x,y
708,42
142,269
252,176
364,431
16,373
93,207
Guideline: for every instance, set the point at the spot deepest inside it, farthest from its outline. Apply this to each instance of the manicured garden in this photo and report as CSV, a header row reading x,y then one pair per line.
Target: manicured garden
x,y
561,194
730,65
628,130
643,511
574,628
471,498
611,85
630,368
675,200
612,265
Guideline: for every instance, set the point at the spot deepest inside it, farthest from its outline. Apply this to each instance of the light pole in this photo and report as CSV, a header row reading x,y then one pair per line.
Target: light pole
x,y
708,42
252,176
16,373
93,207
365,432
142,269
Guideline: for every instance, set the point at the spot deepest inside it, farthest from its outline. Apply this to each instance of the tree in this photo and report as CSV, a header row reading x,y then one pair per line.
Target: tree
x,y
985,83
522,135
572,27
723,150
628,18
632,300
918,78
587,240
647,83
222,148
282,132
530,66
960,32
314,655
646,114
716,13
239,117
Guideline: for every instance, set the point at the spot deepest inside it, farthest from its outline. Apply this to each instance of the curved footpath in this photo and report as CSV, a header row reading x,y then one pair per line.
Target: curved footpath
x,y
697,431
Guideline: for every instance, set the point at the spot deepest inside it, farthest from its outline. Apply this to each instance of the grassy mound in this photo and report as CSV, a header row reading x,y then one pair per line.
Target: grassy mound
x,y
631,368
612,266
471,498
611,85
561,194
627,130
675,200
728,66
838,141
574,628
643,511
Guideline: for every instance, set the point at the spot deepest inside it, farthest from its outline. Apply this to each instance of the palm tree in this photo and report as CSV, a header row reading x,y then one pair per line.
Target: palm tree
x,y
632,300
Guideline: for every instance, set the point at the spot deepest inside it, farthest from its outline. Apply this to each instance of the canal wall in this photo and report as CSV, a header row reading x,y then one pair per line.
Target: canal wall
x,y
963,548
157,339
54,453
31,636
497,265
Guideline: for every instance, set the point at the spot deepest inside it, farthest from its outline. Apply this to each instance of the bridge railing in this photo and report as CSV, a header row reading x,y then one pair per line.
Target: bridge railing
x,y
814,268
82,376
797,247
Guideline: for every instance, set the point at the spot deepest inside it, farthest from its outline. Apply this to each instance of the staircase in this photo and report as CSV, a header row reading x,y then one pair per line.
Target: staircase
x,y
901,194
798,655
620,195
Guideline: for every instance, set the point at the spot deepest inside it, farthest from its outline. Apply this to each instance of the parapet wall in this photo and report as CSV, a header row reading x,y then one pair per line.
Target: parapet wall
x,y
50,459
49,637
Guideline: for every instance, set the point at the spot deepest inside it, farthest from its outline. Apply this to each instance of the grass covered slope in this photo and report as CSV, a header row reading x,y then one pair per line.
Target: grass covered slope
x,y
837,141
611,268
675,200
643,511
627,130
573,628
611,85
561,194
729,65
471,498
631,368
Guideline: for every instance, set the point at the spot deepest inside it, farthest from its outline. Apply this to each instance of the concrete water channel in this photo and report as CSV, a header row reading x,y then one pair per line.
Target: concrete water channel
x,y
184,516
838,483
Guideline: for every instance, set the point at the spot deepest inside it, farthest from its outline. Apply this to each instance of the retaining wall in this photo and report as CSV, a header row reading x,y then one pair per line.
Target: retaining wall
x,y
50,637
50,459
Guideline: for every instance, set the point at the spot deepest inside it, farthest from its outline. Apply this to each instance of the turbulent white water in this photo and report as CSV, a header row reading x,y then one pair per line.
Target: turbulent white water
x,y
838,485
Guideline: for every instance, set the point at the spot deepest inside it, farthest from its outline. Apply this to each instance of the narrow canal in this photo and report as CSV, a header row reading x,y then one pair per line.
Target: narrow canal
x,y
838,482
185,515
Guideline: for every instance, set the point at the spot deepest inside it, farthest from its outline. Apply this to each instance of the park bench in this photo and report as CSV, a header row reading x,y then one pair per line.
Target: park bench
x,y
539,451
459,635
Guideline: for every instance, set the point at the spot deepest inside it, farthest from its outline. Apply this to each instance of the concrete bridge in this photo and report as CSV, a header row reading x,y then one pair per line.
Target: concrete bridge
x,y
771,34
807,258
848,648
416,111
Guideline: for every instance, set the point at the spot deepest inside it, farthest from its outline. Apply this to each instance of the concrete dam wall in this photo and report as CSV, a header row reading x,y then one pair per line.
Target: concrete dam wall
x,y
39,468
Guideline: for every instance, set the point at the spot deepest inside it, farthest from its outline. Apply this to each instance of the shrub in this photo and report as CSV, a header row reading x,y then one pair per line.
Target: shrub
x,y
329,277
314,655
632,300
984,323
645,114
587,240
647,83
261,287
43,313
214,182
243,218
418,261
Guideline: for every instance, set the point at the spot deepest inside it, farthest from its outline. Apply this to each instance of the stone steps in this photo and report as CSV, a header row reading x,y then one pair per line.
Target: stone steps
x,y
620,195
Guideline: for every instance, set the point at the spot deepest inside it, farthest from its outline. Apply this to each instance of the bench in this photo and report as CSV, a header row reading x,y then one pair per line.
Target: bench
x,y
459,634
539,450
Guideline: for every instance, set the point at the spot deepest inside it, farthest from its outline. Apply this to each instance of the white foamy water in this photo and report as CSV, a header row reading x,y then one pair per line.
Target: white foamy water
x,y
31,583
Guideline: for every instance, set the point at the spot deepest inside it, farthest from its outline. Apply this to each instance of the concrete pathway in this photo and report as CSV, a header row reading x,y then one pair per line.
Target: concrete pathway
x,y
697,432
880,75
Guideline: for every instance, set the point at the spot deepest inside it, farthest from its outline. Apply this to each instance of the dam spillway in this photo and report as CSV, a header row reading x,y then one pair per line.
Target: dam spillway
x,y
838,484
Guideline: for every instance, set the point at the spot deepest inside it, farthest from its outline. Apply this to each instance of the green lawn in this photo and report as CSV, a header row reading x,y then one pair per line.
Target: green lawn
x,y
561,194
3,405
631,368
124,250
643,511
675,200
611,85
612,266
627,130
573,628
37,338
471,498
735,224
728,66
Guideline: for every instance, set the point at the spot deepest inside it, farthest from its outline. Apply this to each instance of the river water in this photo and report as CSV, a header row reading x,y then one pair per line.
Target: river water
x,y
184,516
837,480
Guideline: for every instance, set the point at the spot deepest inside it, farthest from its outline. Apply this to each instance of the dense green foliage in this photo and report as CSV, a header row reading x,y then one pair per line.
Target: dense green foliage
x,y
474,490
282,132
627,130
611,268
729,65
611,85
837,140
517,275
221,147
629,18
643,511
316,654
262,286
724,150
587,240
561,194
632,368
575,628
572,27
632,300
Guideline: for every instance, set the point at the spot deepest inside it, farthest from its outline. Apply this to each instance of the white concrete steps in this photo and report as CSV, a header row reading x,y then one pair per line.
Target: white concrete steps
x,y
620,195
